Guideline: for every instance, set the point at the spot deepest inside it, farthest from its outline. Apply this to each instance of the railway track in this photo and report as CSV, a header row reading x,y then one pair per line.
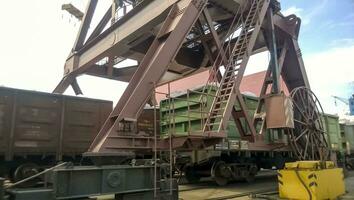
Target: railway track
x,y
262,194
258,193
210,191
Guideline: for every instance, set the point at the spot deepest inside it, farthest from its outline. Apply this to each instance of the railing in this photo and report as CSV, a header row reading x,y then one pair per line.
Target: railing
x,y
124,9
195,110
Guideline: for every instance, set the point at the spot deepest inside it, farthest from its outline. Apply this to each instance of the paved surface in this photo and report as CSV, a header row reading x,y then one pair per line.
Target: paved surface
x,y
349,186
209,190
260,183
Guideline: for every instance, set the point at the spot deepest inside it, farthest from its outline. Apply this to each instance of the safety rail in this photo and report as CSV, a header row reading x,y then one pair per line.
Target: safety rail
x,y
200,108
124,9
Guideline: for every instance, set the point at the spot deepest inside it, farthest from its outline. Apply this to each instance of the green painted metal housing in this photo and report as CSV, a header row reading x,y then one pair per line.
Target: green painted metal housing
x,y
184,114
80,182
347,131
331,125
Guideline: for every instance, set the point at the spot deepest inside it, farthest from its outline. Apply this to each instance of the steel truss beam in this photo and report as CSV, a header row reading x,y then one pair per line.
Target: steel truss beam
x,y
145,17
179,22
162,27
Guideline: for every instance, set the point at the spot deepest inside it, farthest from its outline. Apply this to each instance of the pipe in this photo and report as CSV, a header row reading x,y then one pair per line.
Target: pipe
x,y
34,176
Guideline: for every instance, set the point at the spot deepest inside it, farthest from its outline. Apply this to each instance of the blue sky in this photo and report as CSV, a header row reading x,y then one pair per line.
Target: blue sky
x,y
326,40
325,23
39,36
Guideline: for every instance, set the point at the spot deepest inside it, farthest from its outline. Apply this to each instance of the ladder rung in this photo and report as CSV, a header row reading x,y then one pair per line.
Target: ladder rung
x,y
240,49
219,109
211,124
221,96
229,77
227,83
215,116
245,35
239,55
252,13
234,70
220,102
226,88
248,24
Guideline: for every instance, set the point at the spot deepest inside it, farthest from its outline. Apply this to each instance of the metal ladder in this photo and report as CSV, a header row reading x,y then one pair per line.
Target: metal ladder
x,y
227,90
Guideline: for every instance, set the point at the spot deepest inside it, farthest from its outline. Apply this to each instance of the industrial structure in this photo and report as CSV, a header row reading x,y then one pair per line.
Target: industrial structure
x,y
171,40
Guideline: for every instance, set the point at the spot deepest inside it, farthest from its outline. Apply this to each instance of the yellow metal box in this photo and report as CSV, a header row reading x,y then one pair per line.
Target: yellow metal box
x,y
300,180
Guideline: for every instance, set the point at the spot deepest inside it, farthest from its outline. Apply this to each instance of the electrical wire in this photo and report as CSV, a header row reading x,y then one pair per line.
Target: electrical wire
x,y
303,183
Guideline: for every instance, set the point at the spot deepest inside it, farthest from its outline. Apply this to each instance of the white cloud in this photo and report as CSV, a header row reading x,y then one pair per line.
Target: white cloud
x,y
308,15
293,10
298,12
329,73
342,42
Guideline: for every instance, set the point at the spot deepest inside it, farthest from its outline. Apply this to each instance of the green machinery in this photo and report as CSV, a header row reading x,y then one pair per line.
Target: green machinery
x,y
72,182
184,113
347,143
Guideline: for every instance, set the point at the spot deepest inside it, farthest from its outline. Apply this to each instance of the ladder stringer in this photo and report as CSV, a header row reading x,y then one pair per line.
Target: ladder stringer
x,y
162,51
227,92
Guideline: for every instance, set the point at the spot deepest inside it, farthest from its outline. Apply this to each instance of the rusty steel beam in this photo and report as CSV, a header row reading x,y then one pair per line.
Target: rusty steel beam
x,y
85,25
98,44
100,26
155,33
141,19
119,74
162,51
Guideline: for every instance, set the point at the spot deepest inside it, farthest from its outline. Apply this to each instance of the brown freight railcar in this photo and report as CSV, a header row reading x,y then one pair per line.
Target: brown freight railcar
x,y
39,128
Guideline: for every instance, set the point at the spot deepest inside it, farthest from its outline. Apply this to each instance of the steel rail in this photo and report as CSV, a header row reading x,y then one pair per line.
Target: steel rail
x,y
251,193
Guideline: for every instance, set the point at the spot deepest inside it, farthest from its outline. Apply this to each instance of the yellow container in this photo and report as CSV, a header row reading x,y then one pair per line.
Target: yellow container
x,y
305,179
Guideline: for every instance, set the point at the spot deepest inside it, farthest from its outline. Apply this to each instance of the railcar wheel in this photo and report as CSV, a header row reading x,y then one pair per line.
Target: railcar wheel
x,y
191,175
308,138
221,173
251,174
24,171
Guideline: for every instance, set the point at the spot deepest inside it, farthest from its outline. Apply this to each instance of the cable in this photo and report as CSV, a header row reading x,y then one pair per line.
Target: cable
x,y
303,183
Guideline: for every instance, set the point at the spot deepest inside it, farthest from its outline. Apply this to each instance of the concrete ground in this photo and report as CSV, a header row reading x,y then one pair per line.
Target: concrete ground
x,y
349,186
266,181
262,182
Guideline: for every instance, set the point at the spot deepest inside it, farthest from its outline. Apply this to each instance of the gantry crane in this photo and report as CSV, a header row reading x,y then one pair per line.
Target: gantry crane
x,y
176,38
170,40
348,102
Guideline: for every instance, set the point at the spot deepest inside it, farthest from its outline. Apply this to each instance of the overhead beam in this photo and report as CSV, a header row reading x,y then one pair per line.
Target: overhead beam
x,y
141,19
100,26
85,25
119,74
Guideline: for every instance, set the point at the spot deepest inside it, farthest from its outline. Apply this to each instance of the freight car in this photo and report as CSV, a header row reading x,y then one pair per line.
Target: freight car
x,y
347,143
235,158
39,129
